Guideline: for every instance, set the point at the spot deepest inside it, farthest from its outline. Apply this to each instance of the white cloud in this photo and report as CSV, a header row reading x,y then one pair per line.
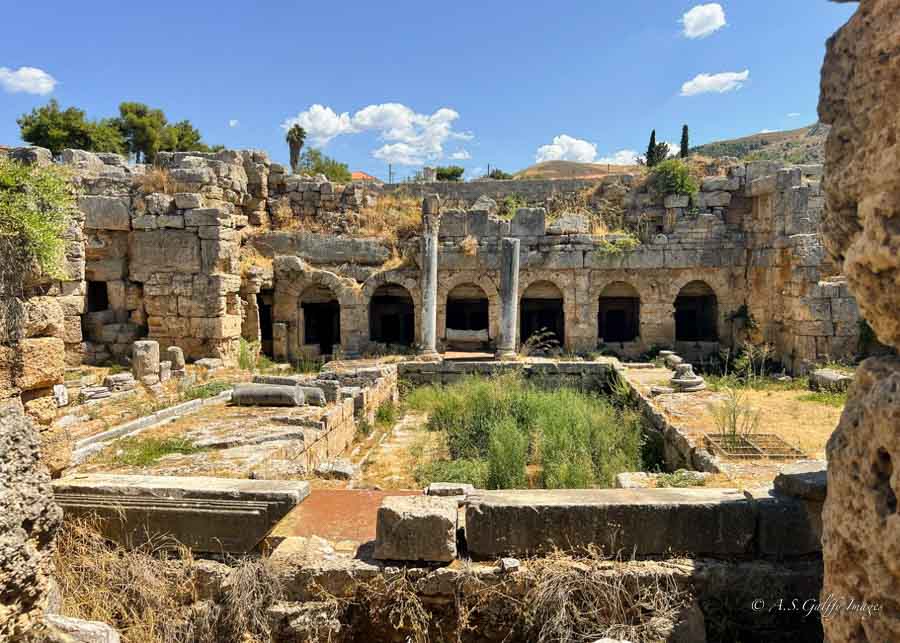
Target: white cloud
x,y
461,155
233,122
708,83
703,20
29,80
620,157
793,114
410,138
567,148
766,131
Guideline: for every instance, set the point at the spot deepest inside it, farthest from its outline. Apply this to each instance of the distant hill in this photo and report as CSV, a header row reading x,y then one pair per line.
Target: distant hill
x,y
572,170
803,145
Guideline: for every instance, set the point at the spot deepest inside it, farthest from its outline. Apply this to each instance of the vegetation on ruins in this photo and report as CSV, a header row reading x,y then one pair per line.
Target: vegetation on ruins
x,y
295,138
314,161
499,175
656,152
673,176
735,419
685,143
149,592
510,433
139,130
508,206
450,173
36,206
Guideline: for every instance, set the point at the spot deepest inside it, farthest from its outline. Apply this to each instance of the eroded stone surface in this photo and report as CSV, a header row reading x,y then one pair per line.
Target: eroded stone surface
x,y
416,528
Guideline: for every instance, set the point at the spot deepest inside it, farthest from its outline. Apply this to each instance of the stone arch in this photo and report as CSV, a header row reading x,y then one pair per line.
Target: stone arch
x,y
447,284
394,309
618,313
542,310
319,318
696,313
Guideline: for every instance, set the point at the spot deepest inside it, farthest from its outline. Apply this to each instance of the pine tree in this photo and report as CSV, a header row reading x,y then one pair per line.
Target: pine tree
x,y
651,150
684,142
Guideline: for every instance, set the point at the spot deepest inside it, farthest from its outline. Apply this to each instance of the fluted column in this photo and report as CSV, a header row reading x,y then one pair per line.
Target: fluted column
x,y
431,210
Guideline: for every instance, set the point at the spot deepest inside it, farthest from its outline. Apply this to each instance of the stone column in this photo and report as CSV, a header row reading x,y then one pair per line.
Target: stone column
x,y
509,298
431,208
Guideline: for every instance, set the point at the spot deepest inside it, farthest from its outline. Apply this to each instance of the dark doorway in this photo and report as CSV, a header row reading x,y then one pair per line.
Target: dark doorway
x,y
265,301
541,314
392,318
321,319
97,296
619,314
696,314
467,318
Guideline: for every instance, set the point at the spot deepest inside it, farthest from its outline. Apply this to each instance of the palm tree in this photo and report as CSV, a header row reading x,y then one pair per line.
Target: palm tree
x,y
295,138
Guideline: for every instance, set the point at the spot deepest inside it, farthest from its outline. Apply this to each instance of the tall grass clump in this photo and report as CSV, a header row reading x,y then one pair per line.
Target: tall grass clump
x,y
572,439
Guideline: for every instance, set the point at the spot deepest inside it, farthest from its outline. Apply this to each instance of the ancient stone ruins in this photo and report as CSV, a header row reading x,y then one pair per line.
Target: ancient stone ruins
x,y
176,275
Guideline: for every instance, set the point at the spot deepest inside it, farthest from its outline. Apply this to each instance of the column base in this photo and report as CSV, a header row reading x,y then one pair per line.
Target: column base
x,y
506,354
429,356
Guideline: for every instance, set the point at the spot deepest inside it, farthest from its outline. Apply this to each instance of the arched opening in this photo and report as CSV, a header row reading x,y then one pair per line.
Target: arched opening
x,y
467,318
321,325
541,313
696,313
392,316
265,301
618,319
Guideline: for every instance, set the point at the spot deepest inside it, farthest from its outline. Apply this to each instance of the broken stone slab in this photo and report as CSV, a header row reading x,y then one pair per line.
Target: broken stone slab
x,y
827,379
119,381
165,371
569,224
206,440
205,514
786,527
81,630
807,479
61,395
335,470
715,522
313,395
210,363
267,395
176,356
416,528
449,489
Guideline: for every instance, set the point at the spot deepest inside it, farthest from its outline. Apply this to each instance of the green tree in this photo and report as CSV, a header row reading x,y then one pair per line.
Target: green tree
x,y
107,137
313,161
295,138
55,128
182,137
683,153
450,173
499,175
143,128
673,176
650,158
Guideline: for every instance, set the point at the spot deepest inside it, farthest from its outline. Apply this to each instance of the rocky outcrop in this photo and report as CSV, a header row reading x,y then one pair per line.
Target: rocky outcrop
x,y
861,533
28,520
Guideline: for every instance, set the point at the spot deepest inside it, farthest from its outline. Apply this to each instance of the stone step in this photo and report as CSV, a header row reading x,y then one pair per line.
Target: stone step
x,y
206,514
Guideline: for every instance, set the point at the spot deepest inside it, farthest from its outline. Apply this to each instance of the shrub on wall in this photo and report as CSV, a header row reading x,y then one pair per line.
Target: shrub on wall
x,y
673,177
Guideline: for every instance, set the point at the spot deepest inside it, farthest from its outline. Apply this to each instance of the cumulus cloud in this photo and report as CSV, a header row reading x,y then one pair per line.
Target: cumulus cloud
x,y
567,148
233,122
703,20
715,83
410,138
461,155
28,80
620,157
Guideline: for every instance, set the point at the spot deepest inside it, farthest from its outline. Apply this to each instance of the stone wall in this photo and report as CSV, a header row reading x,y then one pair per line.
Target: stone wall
x,y
860,90
532,191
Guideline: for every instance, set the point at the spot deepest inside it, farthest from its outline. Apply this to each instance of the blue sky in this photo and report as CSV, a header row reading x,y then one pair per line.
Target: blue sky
x,y
499,83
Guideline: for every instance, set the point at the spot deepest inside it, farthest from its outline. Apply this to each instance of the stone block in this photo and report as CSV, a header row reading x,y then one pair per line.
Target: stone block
x,y
163,251
200,512
42,363
715,522
106,270
827,379
208,217
188,200
712,199
672,201
416,528
719,183
761,186
807,480
569,224
786,527
105,213
44,317
267,395
528,222
453,224
176,356
145,358
76,629
449,489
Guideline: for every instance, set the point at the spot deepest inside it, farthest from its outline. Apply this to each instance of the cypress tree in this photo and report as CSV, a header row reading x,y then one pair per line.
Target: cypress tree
x,y
684,142
651,150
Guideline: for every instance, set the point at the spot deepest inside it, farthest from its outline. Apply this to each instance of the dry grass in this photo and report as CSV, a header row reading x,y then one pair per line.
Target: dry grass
x,y
469,246
591,597
253,258
394,217
156,179
148,592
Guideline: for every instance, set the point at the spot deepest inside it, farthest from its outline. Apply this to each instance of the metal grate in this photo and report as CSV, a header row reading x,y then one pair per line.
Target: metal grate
x,y
754,447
